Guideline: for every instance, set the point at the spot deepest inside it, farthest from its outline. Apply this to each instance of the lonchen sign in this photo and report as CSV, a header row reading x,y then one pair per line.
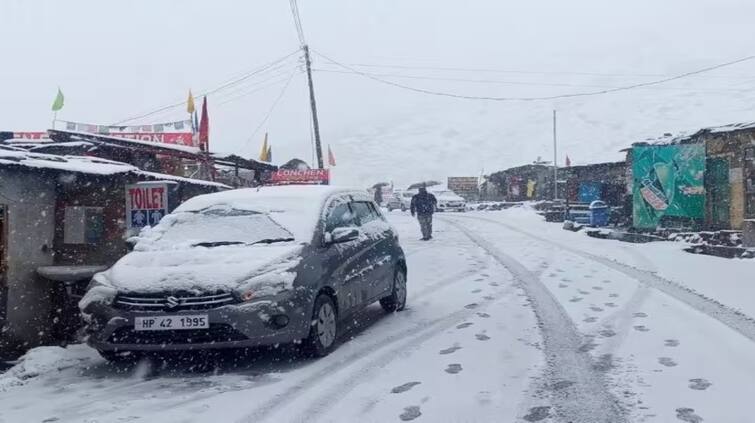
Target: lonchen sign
x,y
307,176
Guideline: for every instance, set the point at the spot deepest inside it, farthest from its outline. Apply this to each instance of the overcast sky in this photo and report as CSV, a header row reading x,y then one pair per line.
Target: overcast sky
x,y
114,60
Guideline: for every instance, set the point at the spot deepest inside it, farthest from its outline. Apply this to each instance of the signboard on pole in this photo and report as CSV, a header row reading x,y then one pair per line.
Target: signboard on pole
x,y
465,186
303,177
146,203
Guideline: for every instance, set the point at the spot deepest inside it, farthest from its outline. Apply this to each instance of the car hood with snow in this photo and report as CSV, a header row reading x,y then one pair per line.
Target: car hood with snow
x,y
231,241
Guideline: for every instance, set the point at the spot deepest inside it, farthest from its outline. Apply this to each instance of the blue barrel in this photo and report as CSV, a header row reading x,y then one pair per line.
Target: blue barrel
x,y
599,213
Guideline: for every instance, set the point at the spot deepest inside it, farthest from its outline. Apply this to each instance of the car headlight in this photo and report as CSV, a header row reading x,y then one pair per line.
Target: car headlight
x,y
266,285
99,291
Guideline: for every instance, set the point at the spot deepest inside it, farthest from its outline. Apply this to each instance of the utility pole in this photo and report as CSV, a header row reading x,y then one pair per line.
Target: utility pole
x,y
555,160
313,104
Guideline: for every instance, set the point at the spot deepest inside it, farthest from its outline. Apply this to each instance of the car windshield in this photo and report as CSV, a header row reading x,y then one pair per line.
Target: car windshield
x,y
219,226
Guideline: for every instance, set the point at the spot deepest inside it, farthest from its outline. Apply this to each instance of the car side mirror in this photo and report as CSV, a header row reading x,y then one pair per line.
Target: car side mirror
x,y
340,235
131,243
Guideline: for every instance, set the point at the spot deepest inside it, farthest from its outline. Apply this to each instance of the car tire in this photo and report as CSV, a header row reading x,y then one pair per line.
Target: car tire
x,y
397,300
323,331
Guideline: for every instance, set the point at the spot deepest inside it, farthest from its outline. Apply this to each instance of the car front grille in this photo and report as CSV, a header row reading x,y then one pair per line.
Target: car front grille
x,y
216,333
172,301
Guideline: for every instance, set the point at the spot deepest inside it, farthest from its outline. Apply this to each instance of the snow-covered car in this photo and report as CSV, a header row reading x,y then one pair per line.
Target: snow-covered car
x,y
246,268
449,201
400,200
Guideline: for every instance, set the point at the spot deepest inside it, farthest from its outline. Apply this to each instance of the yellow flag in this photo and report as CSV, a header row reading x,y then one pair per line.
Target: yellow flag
x,y
264,151
190,104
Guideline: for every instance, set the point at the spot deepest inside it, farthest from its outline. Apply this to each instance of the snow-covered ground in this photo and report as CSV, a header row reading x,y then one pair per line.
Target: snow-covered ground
x,y
509,319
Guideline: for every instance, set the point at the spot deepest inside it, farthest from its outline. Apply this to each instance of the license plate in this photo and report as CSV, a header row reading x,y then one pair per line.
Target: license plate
x,y
198,321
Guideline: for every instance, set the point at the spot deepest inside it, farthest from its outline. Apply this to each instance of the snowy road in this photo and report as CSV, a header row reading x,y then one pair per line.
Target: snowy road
x,y
509,319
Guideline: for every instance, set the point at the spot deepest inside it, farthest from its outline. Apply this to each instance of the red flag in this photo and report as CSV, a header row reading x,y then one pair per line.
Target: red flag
x,y
204,128
568,161
331,157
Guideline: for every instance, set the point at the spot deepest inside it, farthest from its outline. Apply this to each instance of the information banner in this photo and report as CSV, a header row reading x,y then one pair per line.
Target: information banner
x,y
307,176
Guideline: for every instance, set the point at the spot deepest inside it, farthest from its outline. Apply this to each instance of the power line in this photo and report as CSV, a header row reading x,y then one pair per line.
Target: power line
x,y
554,97
493,81
223,86
247,93
297,22
530,72
270,111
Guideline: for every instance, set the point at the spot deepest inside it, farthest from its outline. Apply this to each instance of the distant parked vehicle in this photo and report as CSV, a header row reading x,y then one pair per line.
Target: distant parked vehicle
x,y
247,268
401,200
449,201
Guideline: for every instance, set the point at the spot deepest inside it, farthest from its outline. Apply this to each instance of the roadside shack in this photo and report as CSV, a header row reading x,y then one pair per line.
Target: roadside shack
x,y
62,218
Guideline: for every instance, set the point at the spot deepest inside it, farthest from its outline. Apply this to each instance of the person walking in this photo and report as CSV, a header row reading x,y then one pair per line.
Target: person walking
x,y
423,206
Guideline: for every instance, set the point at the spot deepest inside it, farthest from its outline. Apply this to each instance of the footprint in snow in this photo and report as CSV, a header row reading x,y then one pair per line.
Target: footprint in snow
x,y
613,295
565,280
481,337
699,384
576,299
607,333
596,309
476,291
641,328
453,368
610,305
488,297
552,275
590,319
560,270
479,280
597,288
484,275
583,292
667,361
464,325
405,387
537,414
471,306
410,413
450,350
640,314
606,281
671,343
588,276
688,415
483,397
494,284
483,315
563,285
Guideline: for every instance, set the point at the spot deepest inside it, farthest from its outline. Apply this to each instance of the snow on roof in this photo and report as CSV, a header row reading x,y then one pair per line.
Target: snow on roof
x,y
731,127
70,144
295,207
165,177
88,165
78,164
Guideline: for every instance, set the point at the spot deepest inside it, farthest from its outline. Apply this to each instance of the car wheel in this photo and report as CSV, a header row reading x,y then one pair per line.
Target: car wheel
x,y
397,300
324,328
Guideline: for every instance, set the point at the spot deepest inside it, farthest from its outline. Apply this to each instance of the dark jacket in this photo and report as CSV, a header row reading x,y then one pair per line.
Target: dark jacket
x,y
423,203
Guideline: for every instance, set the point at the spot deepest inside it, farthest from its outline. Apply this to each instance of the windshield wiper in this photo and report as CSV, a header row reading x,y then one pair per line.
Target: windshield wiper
x,y
217,243
222,243
271,240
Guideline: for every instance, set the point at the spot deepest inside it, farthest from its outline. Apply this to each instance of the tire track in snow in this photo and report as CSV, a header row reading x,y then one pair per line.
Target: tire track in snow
x,y
579,392
360,375
736,320
413,335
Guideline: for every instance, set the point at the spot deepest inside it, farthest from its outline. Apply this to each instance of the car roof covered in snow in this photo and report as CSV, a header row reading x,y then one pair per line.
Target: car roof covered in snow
x,y
295,207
